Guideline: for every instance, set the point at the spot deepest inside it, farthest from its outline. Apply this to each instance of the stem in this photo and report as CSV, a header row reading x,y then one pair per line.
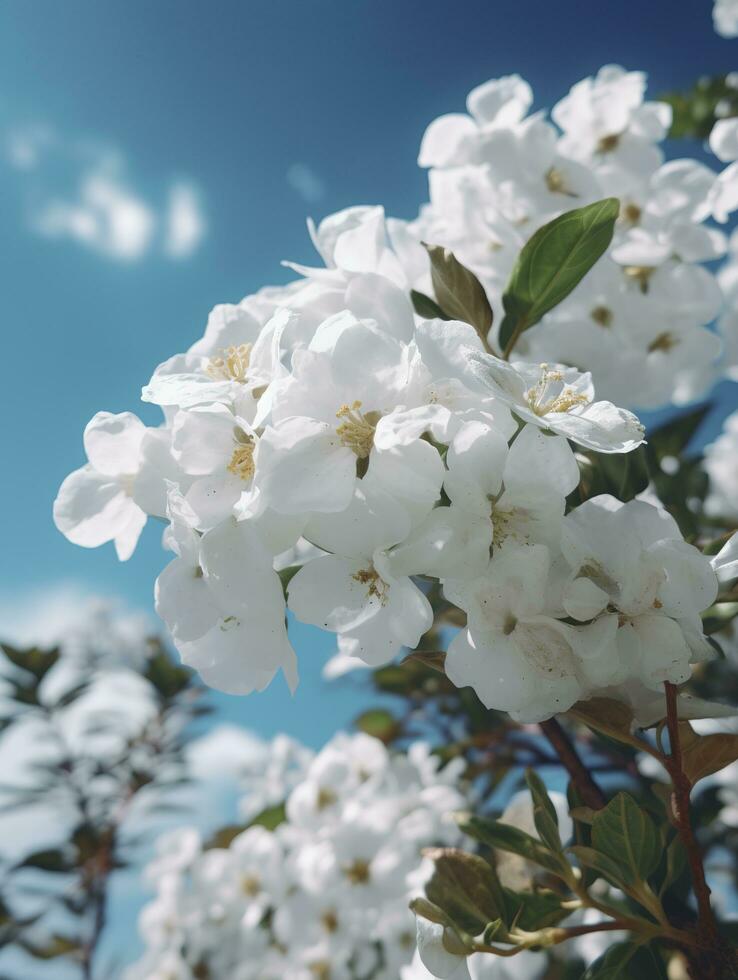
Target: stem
x,y
706,923
519,328
591,794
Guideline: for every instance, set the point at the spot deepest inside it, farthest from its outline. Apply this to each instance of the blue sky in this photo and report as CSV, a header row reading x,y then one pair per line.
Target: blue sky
x,y
268,110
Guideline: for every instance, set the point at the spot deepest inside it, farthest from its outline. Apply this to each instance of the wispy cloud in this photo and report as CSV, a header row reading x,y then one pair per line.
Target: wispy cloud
x,y
82,191
185,222
306,182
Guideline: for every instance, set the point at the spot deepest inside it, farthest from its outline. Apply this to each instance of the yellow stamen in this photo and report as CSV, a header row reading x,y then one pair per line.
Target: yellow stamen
x,y
556,183
542,400
602,315
664,342
608,143
359,872
356,430
640,274
232,365
377,587
242,460
631,214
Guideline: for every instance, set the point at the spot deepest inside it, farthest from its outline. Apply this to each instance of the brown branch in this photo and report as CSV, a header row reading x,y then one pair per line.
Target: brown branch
x,y
591,794
681,811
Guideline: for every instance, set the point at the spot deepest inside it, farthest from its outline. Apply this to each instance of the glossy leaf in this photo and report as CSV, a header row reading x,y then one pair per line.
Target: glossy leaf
x,y
552,263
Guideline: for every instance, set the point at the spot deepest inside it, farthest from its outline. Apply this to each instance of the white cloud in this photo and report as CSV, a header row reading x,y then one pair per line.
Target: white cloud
x,y
66,611
306,182
185,222
81,191
105,216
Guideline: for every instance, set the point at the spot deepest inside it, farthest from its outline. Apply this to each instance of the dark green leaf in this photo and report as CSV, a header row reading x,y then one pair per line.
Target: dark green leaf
x,y
36,661
605,866
53,859
627,961
695,111
552,263
544,812
534,910
625,833
504,837
380,723
459,293
426,307
465,886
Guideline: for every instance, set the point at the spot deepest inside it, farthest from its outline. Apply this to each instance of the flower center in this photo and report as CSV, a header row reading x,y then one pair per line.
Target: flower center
x,y
250,885
608,143
556,183
329,920
602,316
242,460
550,394
356,430
631,214
664,342
358,872
232,364
377,588
326,798
640,274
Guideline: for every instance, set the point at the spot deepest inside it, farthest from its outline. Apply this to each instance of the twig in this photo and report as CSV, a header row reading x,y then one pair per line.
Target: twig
x,y
591,794
706,923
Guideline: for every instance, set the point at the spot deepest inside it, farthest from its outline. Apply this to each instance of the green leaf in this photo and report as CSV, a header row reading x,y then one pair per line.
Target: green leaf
x,y
504,837
534,910
605,866
36,661
622,476
544,812
459,293
675,863
552,263
380,723
426,307
270,818
627,961
466,888
625,833
53,859
695,111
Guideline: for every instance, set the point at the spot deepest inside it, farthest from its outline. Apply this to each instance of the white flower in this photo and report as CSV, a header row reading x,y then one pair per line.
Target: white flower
x,y
516,655
223,604
724,136
721,464
437,949
559,399
97,503
725,17
354,590
632,565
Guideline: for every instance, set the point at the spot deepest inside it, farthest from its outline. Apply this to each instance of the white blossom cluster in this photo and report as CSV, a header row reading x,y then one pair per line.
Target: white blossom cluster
x,y
324,895
638,321
725,17
325,430
721,464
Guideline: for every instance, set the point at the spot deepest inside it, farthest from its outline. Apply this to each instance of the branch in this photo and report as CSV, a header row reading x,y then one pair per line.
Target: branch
x,y
680,805
591,794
